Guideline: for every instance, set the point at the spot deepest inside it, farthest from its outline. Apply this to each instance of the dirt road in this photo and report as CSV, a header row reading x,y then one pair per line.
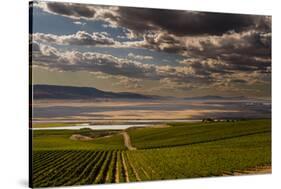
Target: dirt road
x,y
127,141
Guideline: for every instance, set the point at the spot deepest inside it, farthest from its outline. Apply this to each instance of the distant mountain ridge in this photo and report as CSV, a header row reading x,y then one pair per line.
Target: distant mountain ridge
x,y
213,97
71,92
41,92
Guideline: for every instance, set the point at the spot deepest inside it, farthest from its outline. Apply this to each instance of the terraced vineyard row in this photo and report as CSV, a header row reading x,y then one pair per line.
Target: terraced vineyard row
x,y
65,168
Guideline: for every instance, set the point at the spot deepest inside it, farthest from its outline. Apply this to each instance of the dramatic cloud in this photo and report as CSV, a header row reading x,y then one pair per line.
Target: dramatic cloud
x,y
178,22
249,50
192,72
52,58
239,42
214,50
250,82
160,41
207,67
183,22
75,11
79,38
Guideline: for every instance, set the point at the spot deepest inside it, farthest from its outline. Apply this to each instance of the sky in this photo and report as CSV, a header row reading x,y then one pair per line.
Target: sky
x,y
151,51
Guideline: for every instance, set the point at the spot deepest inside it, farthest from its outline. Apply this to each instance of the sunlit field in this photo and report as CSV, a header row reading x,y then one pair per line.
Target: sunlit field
x,y
179,150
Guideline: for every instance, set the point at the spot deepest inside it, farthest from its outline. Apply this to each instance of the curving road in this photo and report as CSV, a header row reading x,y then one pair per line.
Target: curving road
x,y
127,141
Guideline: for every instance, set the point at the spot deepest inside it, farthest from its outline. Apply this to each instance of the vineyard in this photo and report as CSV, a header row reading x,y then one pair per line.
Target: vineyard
x,y
106,159
59,168
185,134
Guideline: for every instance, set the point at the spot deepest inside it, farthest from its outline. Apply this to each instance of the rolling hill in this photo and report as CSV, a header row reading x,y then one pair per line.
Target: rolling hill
x,y
70,92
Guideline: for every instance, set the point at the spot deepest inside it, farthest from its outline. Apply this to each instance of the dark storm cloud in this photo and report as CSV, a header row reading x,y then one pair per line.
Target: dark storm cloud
x,y
178,22
199,35
182,23
246,63
70,9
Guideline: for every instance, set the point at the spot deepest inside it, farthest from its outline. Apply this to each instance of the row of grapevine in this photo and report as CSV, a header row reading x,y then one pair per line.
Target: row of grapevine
x,y
70,171
47,158
133,175
56,170
86,169
67,168
111,175
120,170
47,167
142,167
104,169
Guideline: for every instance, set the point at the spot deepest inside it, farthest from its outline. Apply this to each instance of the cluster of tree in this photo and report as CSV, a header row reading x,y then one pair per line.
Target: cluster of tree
x,y
208,120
